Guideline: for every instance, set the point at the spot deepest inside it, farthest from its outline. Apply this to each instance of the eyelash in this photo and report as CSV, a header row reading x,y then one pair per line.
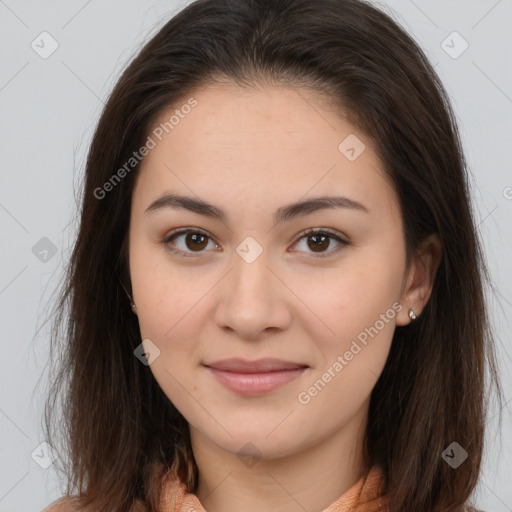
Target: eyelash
x,y
309,232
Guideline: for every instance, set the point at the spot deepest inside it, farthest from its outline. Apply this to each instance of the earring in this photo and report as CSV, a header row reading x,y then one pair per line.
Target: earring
x,y
412,315
132,304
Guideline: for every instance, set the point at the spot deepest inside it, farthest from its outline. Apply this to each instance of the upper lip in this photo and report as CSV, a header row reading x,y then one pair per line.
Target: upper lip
x,y
256,366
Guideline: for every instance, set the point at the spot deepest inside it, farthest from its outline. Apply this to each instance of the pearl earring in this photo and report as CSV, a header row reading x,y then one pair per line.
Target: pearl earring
x,y
132,304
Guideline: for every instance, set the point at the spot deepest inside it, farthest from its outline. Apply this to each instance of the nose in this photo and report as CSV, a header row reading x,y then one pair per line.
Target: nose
x,y
253,299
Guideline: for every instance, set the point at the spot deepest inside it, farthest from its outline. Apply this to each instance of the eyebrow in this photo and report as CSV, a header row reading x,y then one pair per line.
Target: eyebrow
x,y
284,213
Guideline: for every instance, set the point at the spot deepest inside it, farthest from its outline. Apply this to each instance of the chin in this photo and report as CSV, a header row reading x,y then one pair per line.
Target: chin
x,y
248,441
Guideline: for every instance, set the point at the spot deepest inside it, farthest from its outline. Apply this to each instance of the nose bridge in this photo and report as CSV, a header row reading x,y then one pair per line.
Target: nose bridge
x,y
249,300
251,274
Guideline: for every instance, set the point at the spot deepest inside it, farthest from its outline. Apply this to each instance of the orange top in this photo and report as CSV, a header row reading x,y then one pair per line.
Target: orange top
x,y
366,495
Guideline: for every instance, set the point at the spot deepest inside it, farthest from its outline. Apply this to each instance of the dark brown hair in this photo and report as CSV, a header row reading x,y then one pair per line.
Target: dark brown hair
x,y
121,432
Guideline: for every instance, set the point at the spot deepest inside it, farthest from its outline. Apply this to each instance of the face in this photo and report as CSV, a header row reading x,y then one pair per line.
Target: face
x,y
248,281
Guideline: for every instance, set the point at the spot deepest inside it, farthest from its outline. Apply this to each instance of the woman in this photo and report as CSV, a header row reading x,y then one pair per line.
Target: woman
x,y
276,291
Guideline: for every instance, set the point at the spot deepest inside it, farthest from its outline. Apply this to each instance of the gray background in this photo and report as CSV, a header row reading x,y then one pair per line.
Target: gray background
x,y
49,107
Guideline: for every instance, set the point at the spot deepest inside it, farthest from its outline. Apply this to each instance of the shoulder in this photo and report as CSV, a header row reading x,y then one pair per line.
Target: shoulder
x,y
69,504
62,505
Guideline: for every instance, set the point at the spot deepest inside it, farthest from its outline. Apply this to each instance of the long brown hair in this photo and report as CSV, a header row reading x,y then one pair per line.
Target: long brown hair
x,y
121,433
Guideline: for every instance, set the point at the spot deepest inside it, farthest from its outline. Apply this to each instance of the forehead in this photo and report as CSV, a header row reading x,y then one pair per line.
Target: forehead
x,y
273,141
279,115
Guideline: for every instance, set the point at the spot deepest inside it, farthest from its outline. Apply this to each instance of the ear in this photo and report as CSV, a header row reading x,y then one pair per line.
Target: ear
x,y
420,278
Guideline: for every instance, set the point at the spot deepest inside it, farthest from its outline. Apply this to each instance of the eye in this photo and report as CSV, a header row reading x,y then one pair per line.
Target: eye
x,y
195,240
319,239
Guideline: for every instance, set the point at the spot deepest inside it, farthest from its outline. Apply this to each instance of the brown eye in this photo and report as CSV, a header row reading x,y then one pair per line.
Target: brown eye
x,y
319,241
192,241
195,241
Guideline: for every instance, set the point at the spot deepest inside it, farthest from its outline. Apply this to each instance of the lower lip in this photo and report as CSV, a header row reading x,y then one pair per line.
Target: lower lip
x,y
255,383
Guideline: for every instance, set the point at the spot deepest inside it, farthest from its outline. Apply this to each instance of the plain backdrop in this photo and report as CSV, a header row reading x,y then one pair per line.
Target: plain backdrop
x,y
49,105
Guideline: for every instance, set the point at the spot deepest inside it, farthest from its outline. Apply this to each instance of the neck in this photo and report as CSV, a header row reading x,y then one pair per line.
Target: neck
x,y
309,479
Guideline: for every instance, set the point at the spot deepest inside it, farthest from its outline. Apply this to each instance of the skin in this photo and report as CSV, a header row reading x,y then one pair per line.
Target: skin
x,y
250,151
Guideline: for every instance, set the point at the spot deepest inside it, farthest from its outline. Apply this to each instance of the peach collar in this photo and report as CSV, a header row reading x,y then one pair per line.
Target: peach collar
x,y
366,495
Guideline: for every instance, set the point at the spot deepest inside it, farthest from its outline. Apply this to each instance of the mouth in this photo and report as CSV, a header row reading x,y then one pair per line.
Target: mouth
x,y
254,377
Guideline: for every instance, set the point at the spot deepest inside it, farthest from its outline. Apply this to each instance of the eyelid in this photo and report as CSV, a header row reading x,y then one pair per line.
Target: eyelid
x,y
333,234
339,237
180,231
185,231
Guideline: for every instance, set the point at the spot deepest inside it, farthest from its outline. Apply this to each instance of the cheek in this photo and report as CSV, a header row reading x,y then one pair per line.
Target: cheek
x,y
166,296
351,298
351,358
358,309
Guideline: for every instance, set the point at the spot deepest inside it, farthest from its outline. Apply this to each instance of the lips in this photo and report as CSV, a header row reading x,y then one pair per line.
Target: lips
x,y
254,377
259,366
